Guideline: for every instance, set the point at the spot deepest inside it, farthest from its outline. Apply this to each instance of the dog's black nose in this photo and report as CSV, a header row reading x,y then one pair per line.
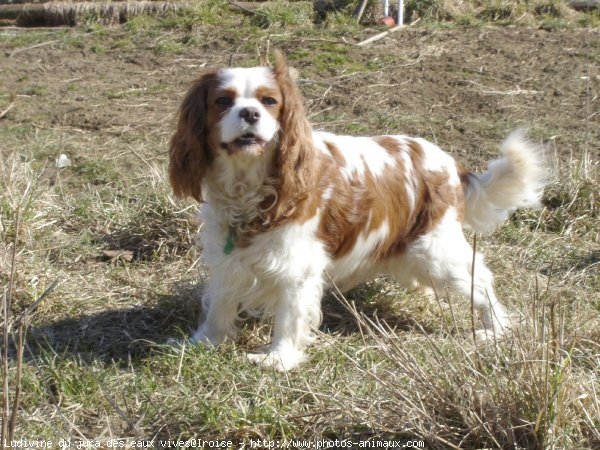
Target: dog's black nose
x,y
250,114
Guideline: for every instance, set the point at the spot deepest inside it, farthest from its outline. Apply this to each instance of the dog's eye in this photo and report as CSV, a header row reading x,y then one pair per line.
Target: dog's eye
x,y
269,101
225,102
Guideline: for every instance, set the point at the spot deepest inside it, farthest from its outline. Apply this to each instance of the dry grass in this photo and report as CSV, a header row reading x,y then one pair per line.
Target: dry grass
x,y
548,13
535,389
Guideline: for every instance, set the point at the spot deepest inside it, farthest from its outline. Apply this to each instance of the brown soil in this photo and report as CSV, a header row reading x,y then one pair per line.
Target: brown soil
x,y
464,89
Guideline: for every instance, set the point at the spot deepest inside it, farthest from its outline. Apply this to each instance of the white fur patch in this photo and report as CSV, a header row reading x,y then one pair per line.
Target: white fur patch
x,y
280,273
246,81
360,154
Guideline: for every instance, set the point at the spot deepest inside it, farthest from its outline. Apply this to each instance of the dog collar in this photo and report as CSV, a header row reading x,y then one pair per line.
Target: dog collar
x,y
230,241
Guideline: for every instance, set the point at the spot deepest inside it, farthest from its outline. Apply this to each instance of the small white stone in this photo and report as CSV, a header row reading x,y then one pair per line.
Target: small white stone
x,y
63,161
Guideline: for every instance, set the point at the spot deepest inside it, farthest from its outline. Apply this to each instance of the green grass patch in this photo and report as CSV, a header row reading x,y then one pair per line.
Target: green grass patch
x,y
283,14
206,12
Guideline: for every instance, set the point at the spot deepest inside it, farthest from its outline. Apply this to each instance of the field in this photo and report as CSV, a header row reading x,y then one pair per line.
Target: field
x,y
388,363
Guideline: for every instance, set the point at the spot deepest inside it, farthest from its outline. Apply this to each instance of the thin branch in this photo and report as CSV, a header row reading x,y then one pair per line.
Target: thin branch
x,y
178,378
6,307
24,49
22,321
380,36
17,395
478,361
473,287
31,308
132,425
5,112
4,430
241,8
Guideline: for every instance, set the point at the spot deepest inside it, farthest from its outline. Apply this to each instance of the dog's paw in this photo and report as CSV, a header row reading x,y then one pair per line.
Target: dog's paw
x,y
205,339
486,335
280,360
189,342
200,337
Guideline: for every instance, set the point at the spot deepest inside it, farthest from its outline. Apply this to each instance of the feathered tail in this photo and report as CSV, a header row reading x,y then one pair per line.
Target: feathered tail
x,y
516,180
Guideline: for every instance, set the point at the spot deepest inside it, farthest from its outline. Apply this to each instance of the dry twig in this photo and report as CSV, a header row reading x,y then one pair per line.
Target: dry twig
x,y
24,49
379,36
5,112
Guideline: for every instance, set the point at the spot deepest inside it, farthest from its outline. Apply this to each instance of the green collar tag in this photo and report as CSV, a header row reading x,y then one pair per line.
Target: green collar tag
x,y
230,242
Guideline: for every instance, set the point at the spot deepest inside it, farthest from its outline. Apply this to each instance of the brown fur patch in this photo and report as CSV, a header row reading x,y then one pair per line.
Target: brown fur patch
x,y
230,93
338,157
190,149
433,198
465,178
389,143
296,168
361,207
342,216
263,92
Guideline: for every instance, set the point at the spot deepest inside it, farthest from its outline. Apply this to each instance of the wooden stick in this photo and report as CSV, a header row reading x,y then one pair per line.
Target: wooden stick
x,y
19,50
5,112
241,7
63,13
379,36
22,330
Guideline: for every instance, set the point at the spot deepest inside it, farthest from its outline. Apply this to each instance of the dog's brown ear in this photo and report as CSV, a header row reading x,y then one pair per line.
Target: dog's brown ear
x,y
189,154
296,153
281,66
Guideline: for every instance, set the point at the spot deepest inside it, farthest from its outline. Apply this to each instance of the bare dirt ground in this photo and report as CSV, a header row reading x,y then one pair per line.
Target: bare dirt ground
x,y
458,87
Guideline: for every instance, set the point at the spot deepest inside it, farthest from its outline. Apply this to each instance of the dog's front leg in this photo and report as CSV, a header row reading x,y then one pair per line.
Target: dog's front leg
x,y
219,321
297,315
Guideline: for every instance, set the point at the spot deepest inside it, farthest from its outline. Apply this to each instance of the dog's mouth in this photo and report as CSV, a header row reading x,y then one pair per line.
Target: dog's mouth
x,y
247,142
248,139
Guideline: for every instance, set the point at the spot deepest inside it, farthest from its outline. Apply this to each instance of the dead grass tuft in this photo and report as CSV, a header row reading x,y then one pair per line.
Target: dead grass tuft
x,y
533,390
544,12
571,203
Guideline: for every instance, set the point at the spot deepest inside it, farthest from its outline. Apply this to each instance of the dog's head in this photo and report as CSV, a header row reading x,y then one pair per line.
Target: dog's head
x,y
239,113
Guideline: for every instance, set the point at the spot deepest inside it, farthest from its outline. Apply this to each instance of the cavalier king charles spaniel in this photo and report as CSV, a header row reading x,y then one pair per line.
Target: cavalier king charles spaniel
x,y
285,209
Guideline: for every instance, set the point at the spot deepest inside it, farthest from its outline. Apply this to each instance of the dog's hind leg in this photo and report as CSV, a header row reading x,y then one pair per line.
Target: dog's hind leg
x,y
445,258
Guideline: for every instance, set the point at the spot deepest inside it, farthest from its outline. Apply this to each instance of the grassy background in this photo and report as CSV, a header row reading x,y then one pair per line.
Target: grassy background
x,y
389,363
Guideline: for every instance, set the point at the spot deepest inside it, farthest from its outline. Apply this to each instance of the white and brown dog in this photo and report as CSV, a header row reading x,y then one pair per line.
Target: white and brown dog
x,y
282,204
